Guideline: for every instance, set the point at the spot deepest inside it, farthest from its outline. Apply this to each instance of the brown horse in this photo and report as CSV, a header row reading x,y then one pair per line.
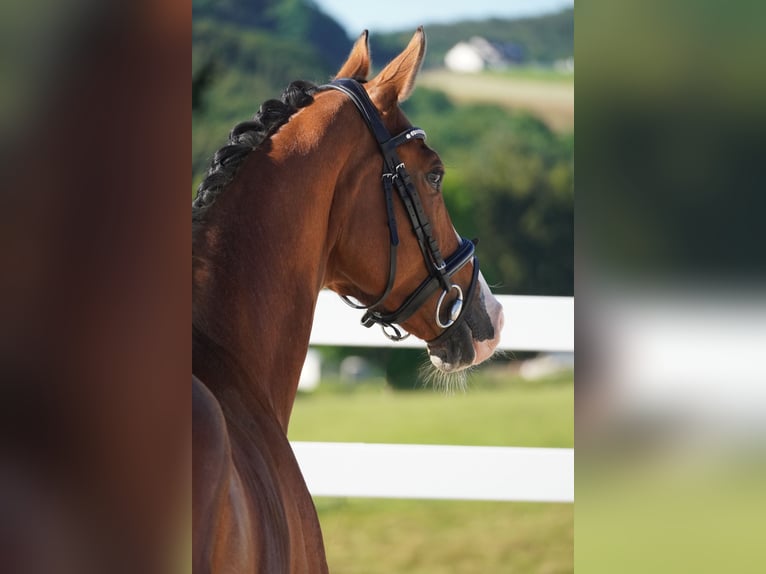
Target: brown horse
x,y
295,203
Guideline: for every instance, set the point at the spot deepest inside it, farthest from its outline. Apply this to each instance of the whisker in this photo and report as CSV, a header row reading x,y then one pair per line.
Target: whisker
x,y
448,383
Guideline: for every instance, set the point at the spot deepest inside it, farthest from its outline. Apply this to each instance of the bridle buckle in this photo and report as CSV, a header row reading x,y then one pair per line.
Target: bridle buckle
x,y
396,334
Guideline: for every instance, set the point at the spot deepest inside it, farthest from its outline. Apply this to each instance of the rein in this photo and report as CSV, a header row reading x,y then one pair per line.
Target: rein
x,y
440,270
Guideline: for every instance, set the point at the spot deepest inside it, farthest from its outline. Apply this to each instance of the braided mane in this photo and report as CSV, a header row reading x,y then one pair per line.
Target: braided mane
x,y
244,138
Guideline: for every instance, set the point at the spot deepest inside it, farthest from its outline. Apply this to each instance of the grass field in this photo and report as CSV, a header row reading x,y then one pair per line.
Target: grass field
x,y
546,94
430,537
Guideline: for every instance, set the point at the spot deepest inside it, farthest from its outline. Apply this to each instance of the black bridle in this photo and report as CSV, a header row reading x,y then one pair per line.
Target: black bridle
x,y
440,270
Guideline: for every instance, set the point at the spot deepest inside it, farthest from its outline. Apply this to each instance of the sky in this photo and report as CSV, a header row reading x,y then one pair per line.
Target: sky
x,y
387,15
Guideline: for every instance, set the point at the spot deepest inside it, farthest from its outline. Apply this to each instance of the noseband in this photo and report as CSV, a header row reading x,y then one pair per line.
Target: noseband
x,y
440,271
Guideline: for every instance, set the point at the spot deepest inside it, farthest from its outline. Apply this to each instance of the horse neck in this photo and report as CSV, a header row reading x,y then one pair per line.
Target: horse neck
x,y
258,268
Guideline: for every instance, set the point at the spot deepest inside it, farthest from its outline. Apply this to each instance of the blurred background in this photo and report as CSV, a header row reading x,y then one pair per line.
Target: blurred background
x,y
496,97
671,312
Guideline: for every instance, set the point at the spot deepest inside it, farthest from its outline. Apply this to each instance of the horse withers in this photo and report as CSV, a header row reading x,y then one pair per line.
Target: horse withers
x,y
329,187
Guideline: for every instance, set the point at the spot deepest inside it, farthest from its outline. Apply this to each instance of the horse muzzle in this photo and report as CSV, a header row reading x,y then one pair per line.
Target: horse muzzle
x,y
476,338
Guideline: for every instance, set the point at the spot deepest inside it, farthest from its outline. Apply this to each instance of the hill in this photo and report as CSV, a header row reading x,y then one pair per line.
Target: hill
x,y
298,21
543,39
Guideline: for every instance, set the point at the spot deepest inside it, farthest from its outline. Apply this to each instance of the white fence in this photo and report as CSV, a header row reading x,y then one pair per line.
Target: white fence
x,y
437,471
443,471
531,324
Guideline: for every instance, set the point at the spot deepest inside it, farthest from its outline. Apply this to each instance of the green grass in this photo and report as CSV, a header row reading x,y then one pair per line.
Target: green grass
x,y
548,95
515,413
435,537
429,537
670,505
535,73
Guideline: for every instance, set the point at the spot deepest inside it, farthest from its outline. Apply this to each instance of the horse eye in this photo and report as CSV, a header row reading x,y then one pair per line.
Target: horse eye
x,y
435,178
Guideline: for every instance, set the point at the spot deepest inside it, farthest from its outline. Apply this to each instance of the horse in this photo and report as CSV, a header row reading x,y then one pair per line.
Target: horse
x,y
313,193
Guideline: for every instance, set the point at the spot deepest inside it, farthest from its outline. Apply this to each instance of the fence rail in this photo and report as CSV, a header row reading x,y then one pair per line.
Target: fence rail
x,y
444,471
437,471
532,323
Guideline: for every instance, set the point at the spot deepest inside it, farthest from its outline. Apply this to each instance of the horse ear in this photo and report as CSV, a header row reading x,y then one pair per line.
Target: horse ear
x,y
396,81
357,65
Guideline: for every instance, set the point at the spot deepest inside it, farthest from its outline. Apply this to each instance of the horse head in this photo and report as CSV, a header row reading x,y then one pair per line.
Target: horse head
x,y
398,255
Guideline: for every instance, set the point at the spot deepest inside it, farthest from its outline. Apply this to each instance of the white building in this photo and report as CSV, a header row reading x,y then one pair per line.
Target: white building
x,y
473,56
